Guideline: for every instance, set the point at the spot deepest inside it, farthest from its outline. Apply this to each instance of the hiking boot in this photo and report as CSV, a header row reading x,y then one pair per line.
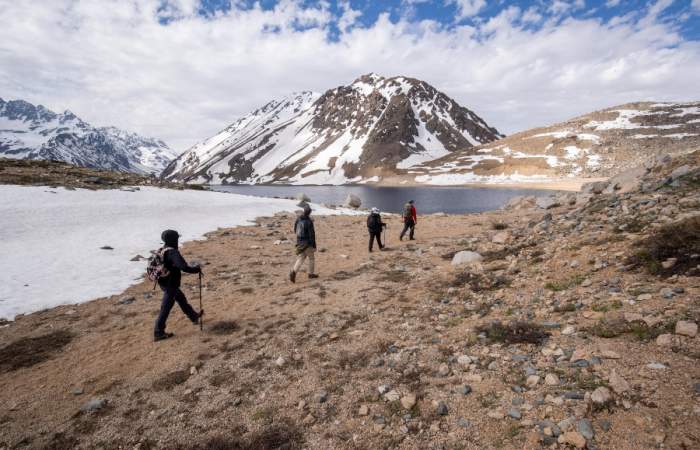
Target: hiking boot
x,y
293,276
162,336
199,318
312,275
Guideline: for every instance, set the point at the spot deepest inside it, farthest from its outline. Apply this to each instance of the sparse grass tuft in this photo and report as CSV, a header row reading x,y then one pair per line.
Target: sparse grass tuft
x,y
563,285
680,240
168,381
224,327
514,332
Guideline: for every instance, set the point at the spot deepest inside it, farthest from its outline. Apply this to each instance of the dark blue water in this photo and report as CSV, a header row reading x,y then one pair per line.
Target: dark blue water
x,y
451,200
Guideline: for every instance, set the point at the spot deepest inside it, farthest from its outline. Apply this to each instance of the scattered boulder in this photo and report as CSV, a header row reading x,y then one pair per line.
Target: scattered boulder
x,y
352,201
686,328
408,401
596,187
627,181
573,438
547,202
94,405
601,396
501,237
466,257
618,384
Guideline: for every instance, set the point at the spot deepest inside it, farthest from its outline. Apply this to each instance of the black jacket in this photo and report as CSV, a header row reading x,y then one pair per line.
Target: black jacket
x,y
374,223
174,262
304,229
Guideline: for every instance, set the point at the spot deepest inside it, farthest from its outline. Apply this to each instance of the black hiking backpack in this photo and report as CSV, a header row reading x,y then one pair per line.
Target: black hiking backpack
x,y
408,211
156,269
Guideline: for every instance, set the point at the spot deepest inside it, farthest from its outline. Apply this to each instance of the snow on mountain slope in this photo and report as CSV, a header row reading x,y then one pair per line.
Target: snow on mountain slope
x,y
351,134
34,132
599,144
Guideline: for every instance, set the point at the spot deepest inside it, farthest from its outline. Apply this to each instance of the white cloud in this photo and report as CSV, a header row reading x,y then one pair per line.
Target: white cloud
x,y
467,8
695,5
612,3
114,64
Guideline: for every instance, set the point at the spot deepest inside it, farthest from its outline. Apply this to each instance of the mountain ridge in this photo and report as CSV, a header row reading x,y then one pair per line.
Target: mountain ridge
x,y
348,134
35,132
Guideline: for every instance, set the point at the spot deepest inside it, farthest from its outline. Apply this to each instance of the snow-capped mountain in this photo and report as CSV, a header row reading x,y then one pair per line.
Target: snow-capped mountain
x,y
34,132
600,144
371,129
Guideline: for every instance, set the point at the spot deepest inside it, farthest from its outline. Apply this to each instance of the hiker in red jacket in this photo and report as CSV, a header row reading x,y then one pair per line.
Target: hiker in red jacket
x,y
409,220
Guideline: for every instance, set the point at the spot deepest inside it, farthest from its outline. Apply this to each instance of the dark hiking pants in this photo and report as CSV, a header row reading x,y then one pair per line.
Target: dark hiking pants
x,y
170,296
408,225
375,235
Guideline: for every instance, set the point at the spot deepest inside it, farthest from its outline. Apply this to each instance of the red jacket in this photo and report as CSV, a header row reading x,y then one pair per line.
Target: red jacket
x,y
413,215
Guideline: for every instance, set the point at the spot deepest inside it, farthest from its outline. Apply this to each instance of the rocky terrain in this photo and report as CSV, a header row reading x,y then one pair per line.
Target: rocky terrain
x,y
567,322
595,145
37,133
351,134
56,173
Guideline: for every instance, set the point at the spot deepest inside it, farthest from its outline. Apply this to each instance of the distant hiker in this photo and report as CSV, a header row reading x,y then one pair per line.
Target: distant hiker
x,y
306,243
375,227
409,220
169,282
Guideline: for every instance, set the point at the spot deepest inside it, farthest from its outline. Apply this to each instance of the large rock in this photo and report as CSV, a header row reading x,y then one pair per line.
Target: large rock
x,y
520,202
595,187
352,201
686,328
466,257
618,384
501,237
547,202
302,197
627,181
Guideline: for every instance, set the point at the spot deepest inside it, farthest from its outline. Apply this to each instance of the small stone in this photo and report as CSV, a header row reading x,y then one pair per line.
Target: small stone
x,y
643,297
568,330
322,397
669,263
77,391
280,362
94,405
463,423
106,247
442,409
664,340
605,424
444,370
584,427
515,414
465,389
667,293
408,401
686,328
532,380
384,388
601,396
573,438
618,384
301,404
656,366
392,395
498,415
127,299
363,411
193,370
551,379
609,354
464,360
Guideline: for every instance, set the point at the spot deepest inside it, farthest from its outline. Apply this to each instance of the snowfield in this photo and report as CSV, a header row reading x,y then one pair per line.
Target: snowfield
x,y
51,239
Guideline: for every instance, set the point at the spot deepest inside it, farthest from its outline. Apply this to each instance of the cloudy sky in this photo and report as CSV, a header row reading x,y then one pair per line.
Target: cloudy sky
x,y
181,70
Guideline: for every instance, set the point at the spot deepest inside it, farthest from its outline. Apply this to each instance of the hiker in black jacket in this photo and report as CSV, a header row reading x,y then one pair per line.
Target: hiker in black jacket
x,y
375,227
306,243
175,264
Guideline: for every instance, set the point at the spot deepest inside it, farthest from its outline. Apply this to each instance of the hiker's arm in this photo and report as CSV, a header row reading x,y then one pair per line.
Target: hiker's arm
x,y
179,262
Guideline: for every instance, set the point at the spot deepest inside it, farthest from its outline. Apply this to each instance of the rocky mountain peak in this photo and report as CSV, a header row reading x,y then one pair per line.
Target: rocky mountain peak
x,y
35,132
359,132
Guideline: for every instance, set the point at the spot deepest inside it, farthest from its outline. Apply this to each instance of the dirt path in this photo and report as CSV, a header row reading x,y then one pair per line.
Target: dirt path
x,y
336,362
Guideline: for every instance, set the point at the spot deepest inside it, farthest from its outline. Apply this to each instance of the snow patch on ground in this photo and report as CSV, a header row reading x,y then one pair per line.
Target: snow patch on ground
x,y
51,238
448,179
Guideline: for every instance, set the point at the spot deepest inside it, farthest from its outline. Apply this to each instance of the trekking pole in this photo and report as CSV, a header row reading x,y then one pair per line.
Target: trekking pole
x,y
201,316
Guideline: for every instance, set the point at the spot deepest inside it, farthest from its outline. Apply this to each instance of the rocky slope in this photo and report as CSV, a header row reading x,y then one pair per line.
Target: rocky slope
x,y
575,327
350,134
595,145
34,132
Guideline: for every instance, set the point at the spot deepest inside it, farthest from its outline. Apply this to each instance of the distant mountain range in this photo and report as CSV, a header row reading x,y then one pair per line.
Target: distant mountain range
x,y
35,132
359,133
